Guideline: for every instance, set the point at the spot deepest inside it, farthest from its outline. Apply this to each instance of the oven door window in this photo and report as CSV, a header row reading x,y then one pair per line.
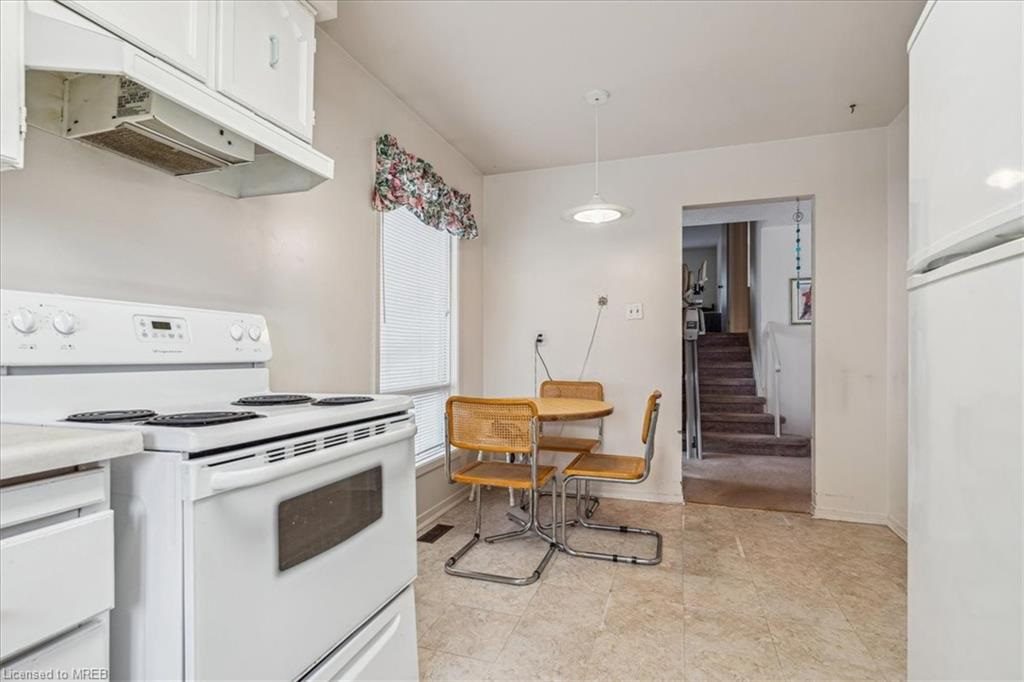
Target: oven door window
x,y
313,522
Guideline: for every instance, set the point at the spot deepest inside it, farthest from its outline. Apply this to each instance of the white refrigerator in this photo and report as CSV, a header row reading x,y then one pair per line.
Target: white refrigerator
x,y
966,343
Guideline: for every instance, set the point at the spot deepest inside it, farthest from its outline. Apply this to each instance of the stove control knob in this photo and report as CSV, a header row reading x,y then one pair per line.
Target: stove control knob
x,y
24,320
65,323
255,333
236,332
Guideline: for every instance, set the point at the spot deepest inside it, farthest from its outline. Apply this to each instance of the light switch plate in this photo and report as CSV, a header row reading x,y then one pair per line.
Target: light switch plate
x,y
634,311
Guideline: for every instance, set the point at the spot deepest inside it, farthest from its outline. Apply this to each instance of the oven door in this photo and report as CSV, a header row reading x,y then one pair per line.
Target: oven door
x,y
286,558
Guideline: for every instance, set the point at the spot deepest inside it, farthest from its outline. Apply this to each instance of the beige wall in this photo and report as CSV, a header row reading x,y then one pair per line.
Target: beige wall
x,y
542,274
85,222
896,304
773,266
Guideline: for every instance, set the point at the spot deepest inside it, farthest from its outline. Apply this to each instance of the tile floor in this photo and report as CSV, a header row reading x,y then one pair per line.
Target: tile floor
x,y
740,594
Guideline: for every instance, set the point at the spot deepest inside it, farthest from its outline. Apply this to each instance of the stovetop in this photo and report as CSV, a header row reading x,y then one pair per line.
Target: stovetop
x,y
110,416
200,427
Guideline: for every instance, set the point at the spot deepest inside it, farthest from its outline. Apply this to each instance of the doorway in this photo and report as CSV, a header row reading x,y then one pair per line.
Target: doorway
x,y
749,408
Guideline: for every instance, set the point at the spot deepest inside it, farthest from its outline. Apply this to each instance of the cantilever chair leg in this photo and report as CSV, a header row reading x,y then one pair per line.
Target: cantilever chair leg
x,y
592,502
449,566
621,558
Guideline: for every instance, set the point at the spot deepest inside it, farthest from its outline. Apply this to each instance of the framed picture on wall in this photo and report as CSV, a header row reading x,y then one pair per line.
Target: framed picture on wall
x,y
801,301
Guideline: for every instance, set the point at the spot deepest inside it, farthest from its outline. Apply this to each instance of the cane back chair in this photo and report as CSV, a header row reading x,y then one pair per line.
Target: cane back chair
x,y
589,467
587,390
505,426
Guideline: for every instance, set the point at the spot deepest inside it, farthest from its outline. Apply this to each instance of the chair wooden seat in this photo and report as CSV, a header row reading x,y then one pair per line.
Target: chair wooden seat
x,y
617,467
567,444
502,475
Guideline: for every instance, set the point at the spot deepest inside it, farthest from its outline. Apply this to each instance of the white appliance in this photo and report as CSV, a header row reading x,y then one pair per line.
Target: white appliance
x,y
260,535
966,346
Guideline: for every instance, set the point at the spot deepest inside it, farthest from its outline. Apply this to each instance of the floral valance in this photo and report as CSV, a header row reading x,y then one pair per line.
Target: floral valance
x,y
405,180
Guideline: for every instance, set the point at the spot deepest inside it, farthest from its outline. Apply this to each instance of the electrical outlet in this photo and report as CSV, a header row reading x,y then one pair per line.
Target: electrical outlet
x,y
538,339
634,311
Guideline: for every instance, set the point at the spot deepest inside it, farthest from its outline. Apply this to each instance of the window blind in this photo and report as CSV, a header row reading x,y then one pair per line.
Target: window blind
x,y
415,321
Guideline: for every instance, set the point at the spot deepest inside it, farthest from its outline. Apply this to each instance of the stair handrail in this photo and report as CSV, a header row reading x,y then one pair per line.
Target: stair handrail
x,y
773,347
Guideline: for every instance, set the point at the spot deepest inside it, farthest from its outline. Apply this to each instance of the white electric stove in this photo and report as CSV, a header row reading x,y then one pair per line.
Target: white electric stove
x,y
260,535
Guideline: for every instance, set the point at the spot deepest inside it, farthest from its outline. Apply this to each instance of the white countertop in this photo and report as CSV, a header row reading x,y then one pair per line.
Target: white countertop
x,y
28,450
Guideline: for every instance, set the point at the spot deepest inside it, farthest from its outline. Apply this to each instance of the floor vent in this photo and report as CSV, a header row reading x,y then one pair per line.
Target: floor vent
x,y
432,535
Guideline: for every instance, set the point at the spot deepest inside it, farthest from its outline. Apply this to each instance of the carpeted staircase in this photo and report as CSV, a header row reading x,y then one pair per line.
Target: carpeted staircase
x,y
733,416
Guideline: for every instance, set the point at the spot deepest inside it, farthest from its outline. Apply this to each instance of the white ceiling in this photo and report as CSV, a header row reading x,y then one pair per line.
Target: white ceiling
x,y
504,81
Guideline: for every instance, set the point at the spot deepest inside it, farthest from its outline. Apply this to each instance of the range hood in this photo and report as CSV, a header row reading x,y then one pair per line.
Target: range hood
x,y
87,84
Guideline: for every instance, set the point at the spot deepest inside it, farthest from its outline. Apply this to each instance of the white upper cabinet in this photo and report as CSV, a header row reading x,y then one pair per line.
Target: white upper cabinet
x,y
265,60
966,162
178,31
12,85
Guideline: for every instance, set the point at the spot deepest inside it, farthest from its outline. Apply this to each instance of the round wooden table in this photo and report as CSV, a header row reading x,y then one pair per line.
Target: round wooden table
x,y
570,409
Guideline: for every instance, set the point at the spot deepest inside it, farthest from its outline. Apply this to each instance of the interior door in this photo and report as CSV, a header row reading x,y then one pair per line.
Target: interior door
x,y
177,31
284,570
265,60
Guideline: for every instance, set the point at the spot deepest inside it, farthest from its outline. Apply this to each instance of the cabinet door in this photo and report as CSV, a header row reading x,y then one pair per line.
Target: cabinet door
x,y
265,60
966,116
12,85
177,31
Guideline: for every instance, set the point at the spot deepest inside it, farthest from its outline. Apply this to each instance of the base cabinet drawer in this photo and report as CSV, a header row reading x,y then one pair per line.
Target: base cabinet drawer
x,y
53,578
82,654
52,496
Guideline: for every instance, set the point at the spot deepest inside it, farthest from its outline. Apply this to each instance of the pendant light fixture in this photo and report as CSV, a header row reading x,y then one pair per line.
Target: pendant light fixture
x,y
597,211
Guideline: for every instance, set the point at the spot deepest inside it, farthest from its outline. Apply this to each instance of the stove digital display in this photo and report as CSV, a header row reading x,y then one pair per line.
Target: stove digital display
x,y
159,324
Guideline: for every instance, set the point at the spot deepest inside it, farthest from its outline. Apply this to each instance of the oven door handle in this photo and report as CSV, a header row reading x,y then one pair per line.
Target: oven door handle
x,y
244,478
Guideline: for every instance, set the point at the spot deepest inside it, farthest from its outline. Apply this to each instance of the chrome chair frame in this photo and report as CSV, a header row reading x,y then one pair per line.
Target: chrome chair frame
x,y
581,522
532,523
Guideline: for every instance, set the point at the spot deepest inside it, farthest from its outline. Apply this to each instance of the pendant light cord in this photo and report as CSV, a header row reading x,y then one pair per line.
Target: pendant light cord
x,y
597,153
590,346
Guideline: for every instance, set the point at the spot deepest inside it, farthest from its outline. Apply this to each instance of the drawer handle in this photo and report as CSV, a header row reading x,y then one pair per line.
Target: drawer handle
x,y
275,52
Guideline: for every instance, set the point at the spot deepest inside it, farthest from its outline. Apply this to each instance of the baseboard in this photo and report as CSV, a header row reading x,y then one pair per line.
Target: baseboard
x,y
622,493
875,518
430,516
898,528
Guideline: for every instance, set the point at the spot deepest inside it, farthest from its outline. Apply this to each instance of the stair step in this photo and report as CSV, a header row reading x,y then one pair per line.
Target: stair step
x,y
750,404
723,354
743,370
738,422
733,401
756,444
718,339
727,385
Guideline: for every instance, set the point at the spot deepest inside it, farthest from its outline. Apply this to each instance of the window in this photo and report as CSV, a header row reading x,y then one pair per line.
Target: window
x,y
415,349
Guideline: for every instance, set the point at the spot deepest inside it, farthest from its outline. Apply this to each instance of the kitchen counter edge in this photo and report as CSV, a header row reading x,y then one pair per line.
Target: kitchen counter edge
x,y
27,450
